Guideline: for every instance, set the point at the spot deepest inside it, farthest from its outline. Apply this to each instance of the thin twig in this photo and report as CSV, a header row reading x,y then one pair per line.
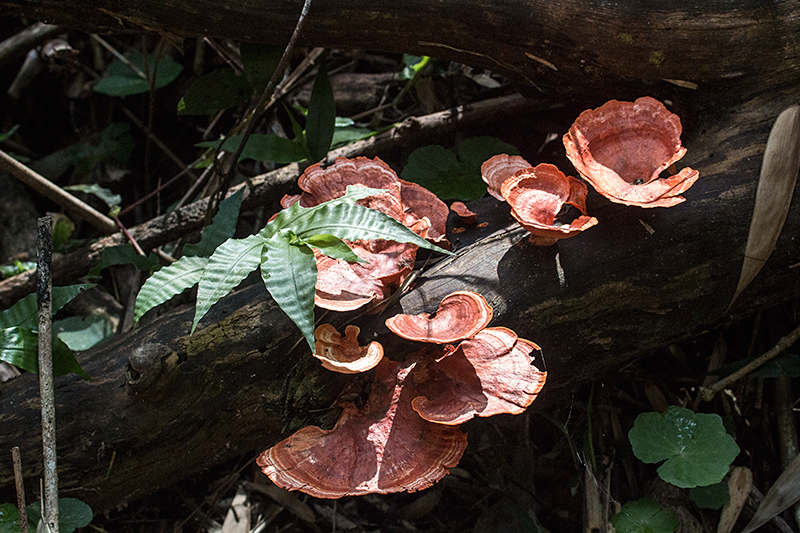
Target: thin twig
x,y
125,61
251,120
707,393
44,289
19,481
18,45
55,193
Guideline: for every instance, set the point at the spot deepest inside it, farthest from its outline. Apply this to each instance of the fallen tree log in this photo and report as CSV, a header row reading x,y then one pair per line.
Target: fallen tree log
x,y
558,48
235,387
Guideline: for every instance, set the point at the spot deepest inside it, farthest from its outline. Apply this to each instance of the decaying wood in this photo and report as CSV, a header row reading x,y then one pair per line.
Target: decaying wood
x,y
640,279
559,48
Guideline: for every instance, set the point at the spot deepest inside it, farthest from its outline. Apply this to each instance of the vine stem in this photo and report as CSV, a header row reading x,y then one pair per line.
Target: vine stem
x,y
263,101
44,289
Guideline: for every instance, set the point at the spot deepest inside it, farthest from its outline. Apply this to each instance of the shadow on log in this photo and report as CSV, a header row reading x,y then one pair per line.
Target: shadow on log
x,y
235,387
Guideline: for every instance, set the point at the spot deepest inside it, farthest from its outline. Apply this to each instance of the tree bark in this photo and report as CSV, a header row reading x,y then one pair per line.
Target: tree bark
x,y
235,387
554,47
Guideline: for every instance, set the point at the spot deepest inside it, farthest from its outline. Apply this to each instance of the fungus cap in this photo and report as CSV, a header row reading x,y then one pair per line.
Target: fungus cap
x,y
463,212
536,196
490,374
498,169
461,315
381,448
343,354
621,148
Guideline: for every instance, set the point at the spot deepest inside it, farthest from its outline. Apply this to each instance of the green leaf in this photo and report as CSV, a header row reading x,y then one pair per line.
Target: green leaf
x,y
222,227
226,268
10,133
122,255
262,147
645,516
331,246
438,170
72,514
83,332
9,518
711,496
259,63
25,313
297,129
321,118
168,282
695,446
412,65
20,347
212,92
121,80
290,274
347,134
111,199
62,230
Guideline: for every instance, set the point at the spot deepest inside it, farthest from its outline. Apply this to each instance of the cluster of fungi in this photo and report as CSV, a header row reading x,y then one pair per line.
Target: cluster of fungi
x,y
406,436
621,148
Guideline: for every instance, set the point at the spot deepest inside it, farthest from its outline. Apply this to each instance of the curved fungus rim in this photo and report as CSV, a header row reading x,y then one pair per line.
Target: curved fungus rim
x,y
462,313
343,354
498,169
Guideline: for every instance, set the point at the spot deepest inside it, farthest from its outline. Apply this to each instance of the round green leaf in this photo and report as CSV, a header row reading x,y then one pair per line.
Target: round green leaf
x,y
645,516
9,518
695,446
121,80
712,496
72,514
219,89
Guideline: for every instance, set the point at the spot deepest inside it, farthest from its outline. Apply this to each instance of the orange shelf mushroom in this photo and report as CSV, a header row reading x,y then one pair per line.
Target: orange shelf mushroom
x,y
498,169
536,196
461,315
467,217
343,354
621,148
381,448
343,286
490,374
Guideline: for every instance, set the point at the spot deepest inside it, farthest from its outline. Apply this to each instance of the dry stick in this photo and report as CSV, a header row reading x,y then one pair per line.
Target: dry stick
x,y
262,103
20,486
44,289
707,393
19,44
48,189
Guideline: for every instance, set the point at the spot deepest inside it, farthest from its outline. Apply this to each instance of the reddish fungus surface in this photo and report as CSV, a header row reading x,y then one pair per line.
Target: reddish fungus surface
x,y
498,169
381,448
621,148
343,354
491,373
536,196
461,315
343,286
463,212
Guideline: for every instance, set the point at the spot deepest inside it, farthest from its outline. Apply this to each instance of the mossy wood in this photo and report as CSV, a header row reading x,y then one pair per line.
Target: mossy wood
x,y
234,388
561,48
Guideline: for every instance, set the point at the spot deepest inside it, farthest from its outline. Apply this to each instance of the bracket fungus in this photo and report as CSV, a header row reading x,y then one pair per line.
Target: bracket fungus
x,y
461,315
343,286
621,148
536,196
464,214
498,169
489,374
381,448
343,354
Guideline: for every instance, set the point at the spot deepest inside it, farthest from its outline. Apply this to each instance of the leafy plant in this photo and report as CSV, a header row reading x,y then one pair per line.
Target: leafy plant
x,y
19,344
72,514
695,447
283,250
645,516
452,176
711,496
311,143
17,267
121,80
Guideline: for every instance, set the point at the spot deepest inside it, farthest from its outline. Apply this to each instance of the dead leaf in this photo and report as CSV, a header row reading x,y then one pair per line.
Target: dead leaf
x,y
739,483
238,518
779,169
780,496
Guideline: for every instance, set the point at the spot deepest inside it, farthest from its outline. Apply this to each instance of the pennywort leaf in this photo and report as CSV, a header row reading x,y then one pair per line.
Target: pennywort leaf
x,y
645,516
226,268
290,275
72,514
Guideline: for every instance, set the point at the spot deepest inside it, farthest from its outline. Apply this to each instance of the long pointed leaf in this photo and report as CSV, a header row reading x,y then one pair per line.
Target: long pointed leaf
x,y
168,282
779,169
20,347
321,119
221,228
25,313
783,493
227,267
332,246
295,215
290,274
